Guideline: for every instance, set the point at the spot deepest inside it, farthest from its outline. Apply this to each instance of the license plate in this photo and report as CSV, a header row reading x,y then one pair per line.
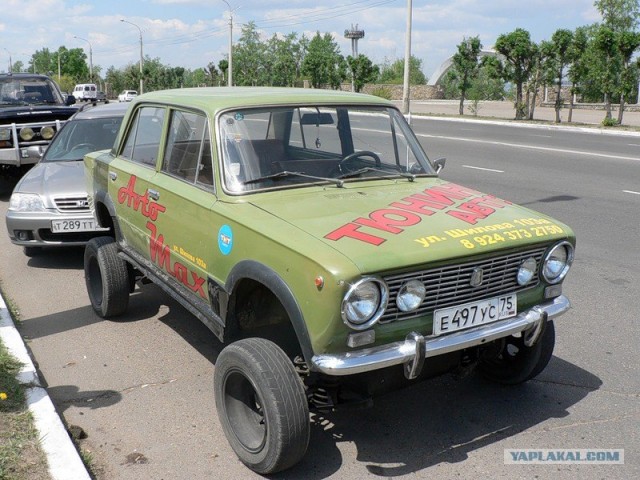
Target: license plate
x,y
460,317
79,225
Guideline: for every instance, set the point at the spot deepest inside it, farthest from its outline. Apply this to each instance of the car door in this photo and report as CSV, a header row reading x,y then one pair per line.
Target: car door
x,y
131,176
183,237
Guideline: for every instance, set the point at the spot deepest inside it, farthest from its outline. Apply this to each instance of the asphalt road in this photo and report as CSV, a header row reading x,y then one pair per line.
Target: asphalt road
x,y
141,387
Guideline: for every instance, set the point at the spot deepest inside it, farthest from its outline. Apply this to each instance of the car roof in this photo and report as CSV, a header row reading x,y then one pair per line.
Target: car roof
x,y
115,109
214,99
24,75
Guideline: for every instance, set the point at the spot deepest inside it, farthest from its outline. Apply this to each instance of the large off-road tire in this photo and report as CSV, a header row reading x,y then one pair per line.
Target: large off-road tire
x,y
262,405
107,277
518,363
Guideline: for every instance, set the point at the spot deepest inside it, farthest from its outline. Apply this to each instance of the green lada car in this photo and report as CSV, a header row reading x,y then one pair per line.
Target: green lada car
x,y
311,233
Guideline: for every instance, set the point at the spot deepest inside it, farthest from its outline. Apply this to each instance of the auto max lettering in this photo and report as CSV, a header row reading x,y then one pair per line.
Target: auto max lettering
x,y
159,251
411,210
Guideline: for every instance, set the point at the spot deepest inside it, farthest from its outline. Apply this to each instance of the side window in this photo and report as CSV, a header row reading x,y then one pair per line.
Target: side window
x,y
143,139
188,152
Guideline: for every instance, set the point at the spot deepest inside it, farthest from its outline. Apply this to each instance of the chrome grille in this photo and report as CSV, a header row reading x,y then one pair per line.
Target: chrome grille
x,y
451,284
72,204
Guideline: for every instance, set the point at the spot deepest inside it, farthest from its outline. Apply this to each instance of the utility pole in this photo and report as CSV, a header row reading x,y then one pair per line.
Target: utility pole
x,y
407,61
90,57
10,62
354,34
230,69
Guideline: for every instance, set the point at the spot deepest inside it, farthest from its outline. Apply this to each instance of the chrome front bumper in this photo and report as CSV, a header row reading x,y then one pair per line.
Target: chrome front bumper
x,y
415,349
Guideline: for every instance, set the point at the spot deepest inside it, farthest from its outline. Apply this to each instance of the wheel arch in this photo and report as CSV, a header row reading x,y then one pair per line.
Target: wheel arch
x,y
271,280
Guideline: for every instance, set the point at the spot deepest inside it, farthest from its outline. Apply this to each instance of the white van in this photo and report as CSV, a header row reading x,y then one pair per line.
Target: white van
x,y
85,91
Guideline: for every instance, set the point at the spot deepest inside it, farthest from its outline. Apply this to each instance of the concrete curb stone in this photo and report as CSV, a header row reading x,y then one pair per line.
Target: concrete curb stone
x,y
63,459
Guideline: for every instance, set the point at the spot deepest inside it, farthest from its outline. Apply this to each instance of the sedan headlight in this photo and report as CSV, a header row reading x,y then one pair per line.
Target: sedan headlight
x,y
527,271
26,202
364,303
557,262
411,295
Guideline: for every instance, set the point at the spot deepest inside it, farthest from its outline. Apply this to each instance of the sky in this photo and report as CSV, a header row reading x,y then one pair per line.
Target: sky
x,y
192,33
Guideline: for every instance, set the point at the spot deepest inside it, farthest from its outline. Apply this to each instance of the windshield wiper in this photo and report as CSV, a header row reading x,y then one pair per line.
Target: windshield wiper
x,y
285,174
355,173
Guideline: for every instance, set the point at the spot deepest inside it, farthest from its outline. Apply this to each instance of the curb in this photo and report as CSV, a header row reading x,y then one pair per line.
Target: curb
x,y
62,456
515,124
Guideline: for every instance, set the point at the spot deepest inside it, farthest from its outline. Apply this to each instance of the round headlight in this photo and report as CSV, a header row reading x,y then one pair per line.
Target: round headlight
x,y
47,133
527,271
27,133
364,303
557,262
411,295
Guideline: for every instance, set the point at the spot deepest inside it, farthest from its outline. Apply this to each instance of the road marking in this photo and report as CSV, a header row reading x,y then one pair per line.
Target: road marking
x,y
541,136
631,192
530,147
634,144
484,169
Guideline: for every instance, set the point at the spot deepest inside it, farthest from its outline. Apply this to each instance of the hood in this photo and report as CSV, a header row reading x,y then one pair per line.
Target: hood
x,y
36,113
54,179
380,226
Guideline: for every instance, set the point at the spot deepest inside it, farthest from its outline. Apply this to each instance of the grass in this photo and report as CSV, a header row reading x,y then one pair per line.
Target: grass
x,y
21,457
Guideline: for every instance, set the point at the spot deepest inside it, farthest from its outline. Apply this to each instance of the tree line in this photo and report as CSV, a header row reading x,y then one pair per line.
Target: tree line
x,y
596,60
283,61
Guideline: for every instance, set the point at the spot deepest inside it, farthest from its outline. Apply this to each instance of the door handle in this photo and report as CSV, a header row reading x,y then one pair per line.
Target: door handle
x,y
154,194
113,176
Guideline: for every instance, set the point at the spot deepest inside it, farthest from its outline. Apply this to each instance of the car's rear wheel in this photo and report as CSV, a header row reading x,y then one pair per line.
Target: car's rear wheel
x,y
262,405
107,277
516,362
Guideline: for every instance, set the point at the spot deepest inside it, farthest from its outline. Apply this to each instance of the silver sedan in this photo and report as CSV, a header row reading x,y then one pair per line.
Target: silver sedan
x,y
49,206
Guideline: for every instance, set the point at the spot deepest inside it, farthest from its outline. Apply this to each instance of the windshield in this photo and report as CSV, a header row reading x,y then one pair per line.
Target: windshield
x,y
282,147
79,137
28,91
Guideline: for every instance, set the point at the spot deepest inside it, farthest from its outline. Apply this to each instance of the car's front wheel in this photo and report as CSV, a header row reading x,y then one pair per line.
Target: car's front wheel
x,y
262,405
107,277
516,362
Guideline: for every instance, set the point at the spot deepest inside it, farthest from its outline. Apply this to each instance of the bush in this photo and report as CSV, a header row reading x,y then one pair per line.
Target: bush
x,y
383,92
610,122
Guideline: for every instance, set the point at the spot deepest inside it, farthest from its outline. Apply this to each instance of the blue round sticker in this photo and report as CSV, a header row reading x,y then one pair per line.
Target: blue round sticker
x,y
225,239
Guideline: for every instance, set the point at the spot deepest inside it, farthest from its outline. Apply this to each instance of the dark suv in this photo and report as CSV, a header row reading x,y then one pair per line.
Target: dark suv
x,y
32,110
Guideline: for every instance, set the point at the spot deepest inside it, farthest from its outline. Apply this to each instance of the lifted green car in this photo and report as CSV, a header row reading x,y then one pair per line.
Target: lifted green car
x,y
310,232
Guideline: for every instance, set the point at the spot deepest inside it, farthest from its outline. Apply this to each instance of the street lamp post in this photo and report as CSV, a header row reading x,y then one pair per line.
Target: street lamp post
x,y
140,30
407,61
90,57
10,62
230,75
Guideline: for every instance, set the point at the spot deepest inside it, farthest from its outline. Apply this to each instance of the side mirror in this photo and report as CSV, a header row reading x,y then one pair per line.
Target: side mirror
x,y
71,100
439,164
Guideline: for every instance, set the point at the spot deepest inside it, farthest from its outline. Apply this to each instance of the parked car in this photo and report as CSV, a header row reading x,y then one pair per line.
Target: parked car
x,y
311,233
101,96
49,207
32,110
127,95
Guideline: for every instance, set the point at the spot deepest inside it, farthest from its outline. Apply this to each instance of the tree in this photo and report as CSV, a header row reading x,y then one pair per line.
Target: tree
x,y
606,68
323,63
362,71
619,15
223,65
466,64
558,53
518,51
628,43
282,54
394,73
578,65
249,57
